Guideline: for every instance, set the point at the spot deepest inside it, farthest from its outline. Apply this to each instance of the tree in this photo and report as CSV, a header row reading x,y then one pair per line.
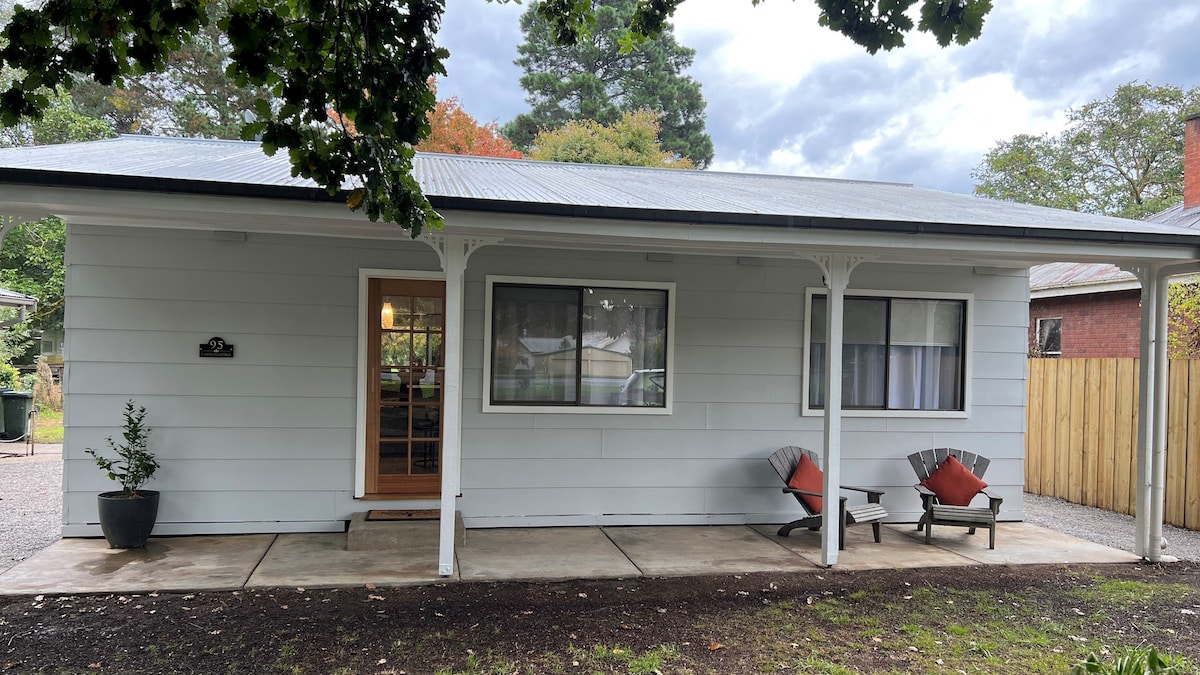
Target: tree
x,y
601,76
192,96
31,262
366,59
454,131
1119,156
632,141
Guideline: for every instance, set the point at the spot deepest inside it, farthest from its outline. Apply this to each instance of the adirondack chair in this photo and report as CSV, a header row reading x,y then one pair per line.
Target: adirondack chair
x,y
784,461
925,463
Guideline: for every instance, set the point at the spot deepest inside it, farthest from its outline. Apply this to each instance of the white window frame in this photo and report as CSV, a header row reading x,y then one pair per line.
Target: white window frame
x,y
968,328
489,407
1037,336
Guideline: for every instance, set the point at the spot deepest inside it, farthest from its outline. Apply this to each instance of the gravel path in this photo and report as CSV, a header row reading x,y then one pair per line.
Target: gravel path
x,y
1104,527
30,503
31,513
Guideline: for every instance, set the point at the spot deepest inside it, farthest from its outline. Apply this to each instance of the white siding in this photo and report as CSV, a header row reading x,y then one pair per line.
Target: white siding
x,y
265,441
260,442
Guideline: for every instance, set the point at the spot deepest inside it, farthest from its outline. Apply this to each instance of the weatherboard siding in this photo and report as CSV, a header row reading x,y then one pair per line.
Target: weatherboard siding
x,y
265,441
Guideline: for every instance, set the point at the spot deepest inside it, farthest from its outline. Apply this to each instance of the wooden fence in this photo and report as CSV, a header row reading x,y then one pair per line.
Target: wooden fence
x,y
1082,434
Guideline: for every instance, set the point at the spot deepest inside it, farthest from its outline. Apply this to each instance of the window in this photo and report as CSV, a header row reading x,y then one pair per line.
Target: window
x,y
578,345
1049,337
897,353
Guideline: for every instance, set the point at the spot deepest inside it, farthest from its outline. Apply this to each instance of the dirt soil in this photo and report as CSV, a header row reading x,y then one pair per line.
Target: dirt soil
x,y
829,622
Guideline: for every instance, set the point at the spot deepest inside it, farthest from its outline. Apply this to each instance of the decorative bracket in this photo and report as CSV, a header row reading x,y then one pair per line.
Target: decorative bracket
x,y
438,241
1144,273
837,266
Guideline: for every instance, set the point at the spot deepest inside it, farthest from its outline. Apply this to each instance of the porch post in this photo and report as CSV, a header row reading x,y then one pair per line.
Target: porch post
x,y
837,273
1158,456
1151,406
454,264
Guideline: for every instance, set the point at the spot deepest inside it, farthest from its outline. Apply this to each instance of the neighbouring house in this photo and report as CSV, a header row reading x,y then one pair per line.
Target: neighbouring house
x,y
300,363
1093,310
24,304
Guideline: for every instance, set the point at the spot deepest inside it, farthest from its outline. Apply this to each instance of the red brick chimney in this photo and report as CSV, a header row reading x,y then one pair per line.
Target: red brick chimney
x,y
1191,162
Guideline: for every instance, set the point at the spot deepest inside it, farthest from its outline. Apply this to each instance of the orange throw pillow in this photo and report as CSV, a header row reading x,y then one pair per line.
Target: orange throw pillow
x,y
953,483
808,476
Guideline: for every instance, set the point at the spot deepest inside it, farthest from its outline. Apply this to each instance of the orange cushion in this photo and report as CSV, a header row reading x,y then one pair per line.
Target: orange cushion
x,y
808,476
953,483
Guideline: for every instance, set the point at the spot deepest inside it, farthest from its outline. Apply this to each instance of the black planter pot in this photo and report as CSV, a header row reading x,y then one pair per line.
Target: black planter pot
x,y
127,521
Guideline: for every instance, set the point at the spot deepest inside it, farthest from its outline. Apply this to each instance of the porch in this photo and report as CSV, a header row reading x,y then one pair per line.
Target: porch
x,y
195,563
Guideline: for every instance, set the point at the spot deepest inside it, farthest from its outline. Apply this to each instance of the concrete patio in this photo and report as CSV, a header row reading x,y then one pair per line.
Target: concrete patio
x,y
533,554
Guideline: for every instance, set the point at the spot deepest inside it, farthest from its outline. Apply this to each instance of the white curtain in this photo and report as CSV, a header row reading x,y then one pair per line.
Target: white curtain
x,y
923,378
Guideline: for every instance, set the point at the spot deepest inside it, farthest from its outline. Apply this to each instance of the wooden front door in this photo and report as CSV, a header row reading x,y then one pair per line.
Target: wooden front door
x,y
406,330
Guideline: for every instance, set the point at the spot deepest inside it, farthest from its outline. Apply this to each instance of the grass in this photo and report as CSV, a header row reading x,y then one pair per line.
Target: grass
x,y
923,629
48,426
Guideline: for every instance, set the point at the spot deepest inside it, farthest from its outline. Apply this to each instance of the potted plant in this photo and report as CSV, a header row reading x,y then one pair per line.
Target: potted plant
x,y
127,515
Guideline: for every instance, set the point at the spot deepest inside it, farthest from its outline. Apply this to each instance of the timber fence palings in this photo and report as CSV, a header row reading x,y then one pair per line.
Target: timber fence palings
x,y
1081,437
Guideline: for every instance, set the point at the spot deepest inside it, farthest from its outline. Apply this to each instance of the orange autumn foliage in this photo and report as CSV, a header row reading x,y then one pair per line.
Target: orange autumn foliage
x,y
454,131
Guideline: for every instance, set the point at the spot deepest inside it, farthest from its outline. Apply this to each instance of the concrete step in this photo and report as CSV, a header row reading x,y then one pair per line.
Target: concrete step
x,y
399,535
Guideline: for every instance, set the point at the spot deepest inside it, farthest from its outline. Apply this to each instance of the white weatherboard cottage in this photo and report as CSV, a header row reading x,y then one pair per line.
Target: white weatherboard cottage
x,y
581,345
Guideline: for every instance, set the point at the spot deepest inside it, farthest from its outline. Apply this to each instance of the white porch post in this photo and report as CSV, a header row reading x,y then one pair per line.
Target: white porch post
x,y
454,264
1158,451
837,273
1152,411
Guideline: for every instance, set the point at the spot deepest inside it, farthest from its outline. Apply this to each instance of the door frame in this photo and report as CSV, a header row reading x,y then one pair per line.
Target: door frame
x,y
360,425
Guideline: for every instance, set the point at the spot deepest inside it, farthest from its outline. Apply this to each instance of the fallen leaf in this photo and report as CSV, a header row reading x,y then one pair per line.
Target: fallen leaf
x,y
715,646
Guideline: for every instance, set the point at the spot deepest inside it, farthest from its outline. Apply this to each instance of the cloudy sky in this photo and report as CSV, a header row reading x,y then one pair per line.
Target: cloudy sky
x,y
789,97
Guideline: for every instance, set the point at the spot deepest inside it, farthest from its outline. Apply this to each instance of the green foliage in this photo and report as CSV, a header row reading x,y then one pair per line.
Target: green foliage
x,y
1183,316
598,78
1119,156
632,141
1143,661
192,96
135,464
367,61
31,262
874,24
10,377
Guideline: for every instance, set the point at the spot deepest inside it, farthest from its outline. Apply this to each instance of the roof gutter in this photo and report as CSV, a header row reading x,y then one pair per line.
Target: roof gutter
x,y
217,188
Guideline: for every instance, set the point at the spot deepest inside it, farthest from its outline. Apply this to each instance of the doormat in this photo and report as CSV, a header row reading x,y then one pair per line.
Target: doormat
x,y
404,514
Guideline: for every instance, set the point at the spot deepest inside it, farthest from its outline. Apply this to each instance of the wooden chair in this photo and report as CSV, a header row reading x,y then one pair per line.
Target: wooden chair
x,y
924,463
784,460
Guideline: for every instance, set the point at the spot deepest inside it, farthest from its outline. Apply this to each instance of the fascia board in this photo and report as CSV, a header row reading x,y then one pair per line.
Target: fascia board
x,y
92,206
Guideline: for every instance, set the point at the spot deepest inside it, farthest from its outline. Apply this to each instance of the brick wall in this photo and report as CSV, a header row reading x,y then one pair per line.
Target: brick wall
x,y
1191,162
1097,325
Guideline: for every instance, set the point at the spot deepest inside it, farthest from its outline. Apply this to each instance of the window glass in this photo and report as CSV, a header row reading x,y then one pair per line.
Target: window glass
x,y
1050,336
586,345
534,332
897,354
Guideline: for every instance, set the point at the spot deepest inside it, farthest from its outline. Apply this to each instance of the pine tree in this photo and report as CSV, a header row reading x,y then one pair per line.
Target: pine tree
x,y
594,80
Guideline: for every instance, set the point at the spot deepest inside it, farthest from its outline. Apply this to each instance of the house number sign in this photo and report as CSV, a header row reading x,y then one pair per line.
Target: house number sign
x,y
216,348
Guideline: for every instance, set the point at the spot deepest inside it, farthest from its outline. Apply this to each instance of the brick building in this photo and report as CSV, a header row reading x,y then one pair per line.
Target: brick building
x,y
1085,310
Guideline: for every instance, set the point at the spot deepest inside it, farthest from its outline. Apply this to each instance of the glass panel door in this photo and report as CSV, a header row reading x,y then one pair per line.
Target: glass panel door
x,y
406,331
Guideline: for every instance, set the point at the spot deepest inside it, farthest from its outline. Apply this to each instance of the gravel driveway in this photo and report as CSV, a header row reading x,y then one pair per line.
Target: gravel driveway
x,y
31,513
30,502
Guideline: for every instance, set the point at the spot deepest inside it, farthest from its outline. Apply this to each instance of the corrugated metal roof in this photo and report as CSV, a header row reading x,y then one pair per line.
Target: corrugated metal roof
x,y
1064,274
531,186
14,299
1072,275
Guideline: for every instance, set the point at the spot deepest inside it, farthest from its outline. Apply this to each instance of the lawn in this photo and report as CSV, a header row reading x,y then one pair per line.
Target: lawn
x,y
48,426
1017,619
